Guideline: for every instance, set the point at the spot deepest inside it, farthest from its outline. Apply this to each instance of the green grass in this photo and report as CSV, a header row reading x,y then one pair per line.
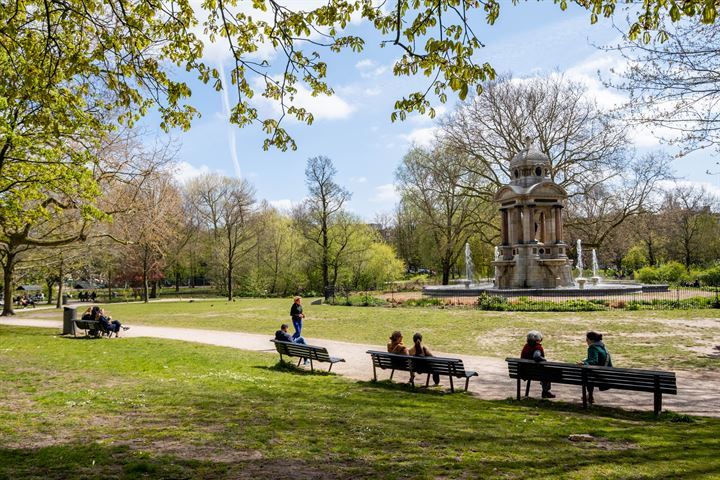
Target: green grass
x,y
145,408
645,339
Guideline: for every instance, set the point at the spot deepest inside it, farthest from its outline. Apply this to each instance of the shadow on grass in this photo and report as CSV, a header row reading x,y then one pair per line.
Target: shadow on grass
x,y
406,387
666,416
292,367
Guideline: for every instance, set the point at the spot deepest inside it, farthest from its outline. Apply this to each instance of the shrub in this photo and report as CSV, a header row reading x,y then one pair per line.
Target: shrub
x,y
424,302
492,302
711,276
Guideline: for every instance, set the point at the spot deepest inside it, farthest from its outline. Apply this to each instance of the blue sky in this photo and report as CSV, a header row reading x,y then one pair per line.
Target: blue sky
x,y
353,127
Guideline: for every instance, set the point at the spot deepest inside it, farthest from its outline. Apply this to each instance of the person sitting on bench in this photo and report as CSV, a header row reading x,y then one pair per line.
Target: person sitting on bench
x,y
597,354
282,335
396,344
420,350
533,350
112,326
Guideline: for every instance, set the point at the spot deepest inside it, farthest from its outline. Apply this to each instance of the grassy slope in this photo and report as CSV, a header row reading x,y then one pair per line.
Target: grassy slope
x,y
72,408
662,339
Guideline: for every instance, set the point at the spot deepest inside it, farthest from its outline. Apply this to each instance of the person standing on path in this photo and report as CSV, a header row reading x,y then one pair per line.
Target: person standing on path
x,y
297,315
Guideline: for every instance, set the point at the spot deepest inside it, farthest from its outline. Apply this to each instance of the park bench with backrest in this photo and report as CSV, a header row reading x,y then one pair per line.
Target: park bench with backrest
x,y
448,367
93,328
603,378
311,352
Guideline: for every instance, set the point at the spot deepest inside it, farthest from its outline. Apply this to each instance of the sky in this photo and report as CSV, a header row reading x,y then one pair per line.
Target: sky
x,y
354,129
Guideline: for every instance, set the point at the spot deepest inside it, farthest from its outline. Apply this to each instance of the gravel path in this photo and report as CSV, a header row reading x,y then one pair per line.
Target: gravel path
x,y
698,392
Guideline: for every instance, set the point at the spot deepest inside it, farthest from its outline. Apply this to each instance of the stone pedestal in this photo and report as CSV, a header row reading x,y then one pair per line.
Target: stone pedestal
x,y
581,282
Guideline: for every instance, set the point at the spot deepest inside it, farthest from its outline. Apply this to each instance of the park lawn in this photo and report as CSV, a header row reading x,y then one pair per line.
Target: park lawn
x,y
148,408
671,339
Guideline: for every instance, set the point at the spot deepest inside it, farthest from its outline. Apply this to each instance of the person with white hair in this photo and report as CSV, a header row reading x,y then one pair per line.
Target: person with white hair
x,y
533,350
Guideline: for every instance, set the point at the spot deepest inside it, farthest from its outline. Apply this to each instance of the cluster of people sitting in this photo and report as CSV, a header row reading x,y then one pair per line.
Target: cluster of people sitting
x,y
107,324
597,354
25,301
397,346
87,296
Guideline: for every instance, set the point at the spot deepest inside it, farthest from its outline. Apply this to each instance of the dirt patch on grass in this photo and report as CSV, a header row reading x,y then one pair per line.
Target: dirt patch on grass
x,y
200,452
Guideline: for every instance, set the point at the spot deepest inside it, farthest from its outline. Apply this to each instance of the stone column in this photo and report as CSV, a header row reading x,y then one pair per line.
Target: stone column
x,y
519,224
530,222
505,233
558,223
541,224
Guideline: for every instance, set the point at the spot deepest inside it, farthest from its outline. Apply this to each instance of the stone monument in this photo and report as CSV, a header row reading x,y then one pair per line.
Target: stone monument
x,y
532,253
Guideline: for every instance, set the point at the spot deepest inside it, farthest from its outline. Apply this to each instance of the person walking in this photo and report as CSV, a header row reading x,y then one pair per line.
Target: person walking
x,y
297,315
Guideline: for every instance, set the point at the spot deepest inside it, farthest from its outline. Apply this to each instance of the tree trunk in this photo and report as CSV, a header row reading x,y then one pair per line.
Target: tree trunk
x,y
50,283
8,286
230,282
177,277
60,284
445,272
146,298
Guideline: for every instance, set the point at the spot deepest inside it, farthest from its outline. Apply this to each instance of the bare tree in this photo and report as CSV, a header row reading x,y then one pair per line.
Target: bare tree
x,y
585,146
593,214
674,85
318,213
687,212
437,185
226,207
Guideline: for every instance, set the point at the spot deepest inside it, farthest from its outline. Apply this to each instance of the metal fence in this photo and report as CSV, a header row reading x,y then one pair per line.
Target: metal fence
x,y
672,298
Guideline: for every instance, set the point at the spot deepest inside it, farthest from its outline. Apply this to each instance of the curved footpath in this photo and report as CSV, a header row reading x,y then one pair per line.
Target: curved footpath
x,y
697,391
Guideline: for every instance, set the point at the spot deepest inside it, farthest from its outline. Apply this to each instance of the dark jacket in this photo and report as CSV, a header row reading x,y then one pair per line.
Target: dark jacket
x,y
295,311
598,355
283,336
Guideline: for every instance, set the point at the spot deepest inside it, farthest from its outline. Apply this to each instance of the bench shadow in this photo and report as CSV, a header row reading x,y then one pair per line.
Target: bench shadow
x,y
666,416
406,387
291,367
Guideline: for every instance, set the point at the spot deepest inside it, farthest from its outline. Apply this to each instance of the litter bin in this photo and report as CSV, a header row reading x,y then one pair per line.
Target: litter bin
x,y
69,317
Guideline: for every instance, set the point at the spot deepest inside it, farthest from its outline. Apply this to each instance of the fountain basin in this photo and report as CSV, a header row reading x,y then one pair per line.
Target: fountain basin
x,y
590,290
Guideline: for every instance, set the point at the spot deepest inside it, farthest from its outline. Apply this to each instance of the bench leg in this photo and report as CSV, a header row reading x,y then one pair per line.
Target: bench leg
x,y
331,364
392,372
584,395
657,403
311,365
427,382
527,389
452,387
518,388
299,361
467,382
374,373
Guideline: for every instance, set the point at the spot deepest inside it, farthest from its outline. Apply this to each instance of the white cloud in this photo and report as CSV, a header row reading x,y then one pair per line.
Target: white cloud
x,y
358,179
321,106
422,137
184,172
372,91
370,69
386,194
284,205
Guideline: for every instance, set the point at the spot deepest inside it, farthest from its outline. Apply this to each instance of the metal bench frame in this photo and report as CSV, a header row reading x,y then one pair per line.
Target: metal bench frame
x,y
311,352
657,382
448,367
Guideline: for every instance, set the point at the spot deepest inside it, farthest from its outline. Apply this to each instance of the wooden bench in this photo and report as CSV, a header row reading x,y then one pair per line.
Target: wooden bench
x,y
448,367
604,378
92,327
313,353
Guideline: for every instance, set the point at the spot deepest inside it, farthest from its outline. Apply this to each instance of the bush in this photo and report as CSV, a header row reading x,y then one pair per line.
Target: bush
x,y
711,276
492,302
671,272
